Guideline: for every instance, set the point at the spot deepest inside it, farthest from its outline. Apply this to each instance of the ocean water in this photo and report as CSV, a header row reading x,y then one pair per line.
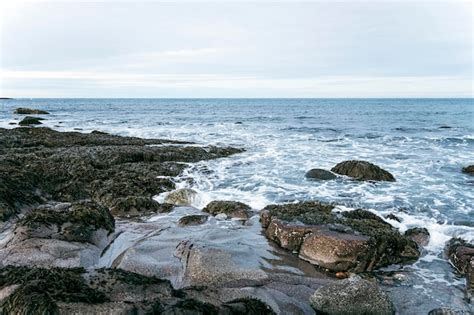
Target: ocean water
x,y
424,143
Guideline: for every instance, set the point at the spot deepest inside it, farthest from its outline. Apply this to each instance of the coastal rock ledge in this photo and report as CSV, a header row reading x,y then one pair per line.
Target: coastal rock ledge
x,y
30,111
355,241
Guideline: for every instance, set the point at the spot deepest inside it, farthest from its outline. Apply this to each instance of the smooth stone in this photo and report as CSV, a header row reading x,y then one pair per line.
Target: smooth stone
x,y
195,219
29,120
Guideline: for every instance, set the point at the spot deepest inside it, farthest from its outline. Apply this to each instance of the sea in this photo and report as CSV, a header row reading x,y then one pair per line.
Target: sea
x,y
424,143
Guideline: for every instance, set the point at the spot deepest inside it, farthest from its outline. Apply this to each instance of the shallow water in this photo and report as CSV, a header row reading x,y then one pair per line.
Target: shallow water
x,y
424,143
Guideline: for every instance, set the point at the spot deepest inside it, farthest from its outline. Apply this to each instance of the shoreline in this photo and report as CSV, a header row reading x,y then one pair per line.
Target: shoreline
x,y
124,152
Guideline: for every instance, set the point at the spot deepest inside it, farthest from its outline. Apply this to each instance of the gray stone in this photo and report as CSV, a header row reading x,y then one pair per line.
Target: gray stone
x,y
362,170
352,296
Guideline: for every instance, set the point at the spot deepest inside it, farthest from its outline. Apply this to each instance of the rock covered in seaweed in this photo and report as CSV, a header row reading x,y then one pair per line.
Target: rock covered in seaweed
x,y
352,296
66,235
355,240
30,111
29,120
104,291
362,170
120,173
232,209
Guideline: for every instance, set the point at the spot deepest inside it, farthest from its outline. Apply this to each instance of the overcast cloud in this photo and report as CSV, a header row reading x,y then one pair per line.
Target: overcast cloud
x,y
236,49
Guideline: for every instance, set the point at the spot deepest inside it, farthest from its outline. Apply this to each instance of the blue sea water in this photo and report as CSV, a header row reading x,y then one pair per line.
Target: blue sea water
x,y
424,143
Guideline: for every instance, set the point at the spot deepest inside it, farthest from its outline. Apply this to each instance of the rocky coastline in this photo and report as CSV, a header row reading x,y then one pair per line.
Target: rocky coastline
x,y
81,233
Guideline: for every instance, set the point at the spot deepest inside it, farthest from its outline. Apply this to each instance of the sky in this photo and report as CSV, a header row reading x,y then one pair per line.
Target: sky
x,y
236,49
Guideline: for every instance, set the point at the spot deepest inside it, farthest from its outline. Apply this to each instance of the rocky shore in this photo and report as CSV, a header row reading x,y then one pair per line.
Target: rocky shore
x,y
80,233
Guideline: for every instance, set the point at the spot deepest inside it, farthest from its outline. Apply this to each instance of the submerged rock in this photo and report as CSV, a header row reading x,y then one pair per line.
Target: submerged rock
x,y
29,120
352,296
30,111
232,209
468,169
320,174
362,170
181,197
347,241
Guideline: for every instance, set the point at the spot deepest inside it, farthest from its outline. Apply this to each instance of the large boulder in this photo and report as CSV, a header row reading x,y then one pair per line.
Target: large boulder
x,y
29,120
352,296
232,209
181,197
29,111
468,169
362,170
338,241
209,265
319,174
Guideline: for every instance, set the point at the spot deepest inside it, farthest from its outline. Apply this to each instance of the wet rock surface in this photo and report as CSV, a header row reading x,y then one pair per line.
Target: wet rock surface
x,y
319,174
339,241
30,111
120,173
362,170
352,296
232,209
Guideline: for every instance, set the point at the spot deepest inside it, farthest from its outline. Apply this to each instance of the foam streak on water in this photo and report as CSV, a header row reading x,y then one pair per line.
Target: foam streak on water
x,y
423,142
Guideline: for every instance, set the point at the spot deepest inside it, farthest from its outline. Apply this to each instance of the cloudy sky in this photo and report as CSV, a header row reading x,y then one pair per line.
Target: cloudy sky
x,y
236,49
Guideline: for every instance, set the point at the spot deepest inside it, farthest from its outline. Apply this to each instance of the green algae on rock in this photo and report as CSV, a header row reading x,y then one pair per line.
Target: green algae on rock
x,y
355,240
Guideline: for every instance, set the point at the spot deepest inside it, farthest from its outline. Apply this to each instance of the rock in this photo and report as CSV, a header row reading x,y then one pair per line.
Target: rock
x,y
105,291
362,170
448,311
392,216
67,236
468,169
196,219
352,296
347,241
212,266
29,111
461,255
181,197
133,206
232,209
421,236
120,173
29,120
319,174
